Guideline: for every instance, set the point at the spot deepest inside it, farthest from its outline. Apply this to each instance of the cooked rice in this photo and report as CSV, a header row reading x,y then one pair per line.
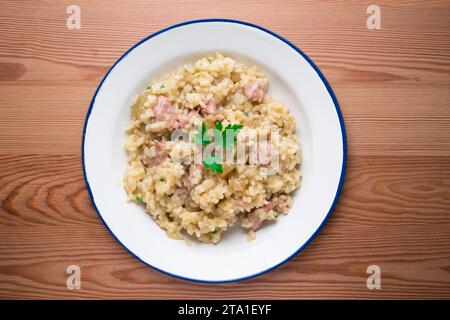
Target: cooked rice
x,y
185,198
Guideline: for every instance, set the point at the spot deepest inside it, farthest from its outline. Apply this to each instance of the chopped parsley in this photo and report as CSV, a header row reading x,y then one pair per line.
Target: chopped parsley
x,y
219,126
229,134
214,163
138,198
223,137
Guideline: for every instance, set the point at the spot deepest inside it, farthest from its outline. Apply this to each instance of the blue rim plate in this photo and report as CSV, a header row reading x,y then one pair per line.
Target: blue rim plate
x,y
328,89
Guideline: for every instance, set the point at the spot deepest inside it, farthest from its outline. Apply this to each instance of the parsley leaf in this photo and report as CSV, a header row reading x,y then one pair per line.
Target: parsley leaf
x,y
223,137
219,125
213,163
229,134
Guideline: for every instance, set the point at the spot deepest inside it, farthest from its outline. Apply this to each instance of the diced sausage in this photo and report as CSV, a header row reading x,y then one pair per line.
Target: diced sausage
x,y
266,152
263,153
255,220
209,107
165,111
278,203
284,204
162,108
182,194
255,91
161,154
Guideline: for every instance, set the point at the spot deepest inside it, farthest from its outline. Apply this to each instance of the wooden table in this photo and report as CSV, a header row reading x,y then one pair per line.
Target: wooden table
x,y
393,86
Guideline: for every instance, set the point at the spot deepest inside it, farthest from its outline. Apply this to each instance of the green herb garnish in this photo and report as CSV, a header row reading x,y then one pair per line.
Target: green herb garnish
x,y
214,163
138,198
223,137
162,86
229,134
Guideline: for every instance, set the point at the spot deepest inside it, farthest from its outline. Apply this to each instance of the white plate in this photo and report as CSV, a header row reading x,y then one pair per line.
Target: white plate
x,y
293,78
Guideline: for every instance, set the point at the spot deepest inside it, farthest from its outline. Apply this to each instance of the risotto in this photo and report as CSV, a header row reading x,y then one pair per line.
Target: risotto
x,y
220,106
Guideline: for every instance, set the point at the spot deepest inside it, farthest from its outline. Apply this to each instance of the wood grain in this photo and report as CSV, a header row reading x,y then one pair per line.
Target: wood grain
x,y
394,89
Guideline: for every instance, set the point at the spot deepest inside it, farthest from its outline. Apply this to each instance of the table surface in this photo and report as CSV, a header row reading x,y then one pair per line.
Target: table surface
x,y
393,87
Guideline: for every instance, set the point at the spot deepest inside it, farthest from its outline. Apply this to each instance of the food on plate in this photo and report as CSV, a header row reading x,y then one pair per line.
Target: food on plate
x,y
208,148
